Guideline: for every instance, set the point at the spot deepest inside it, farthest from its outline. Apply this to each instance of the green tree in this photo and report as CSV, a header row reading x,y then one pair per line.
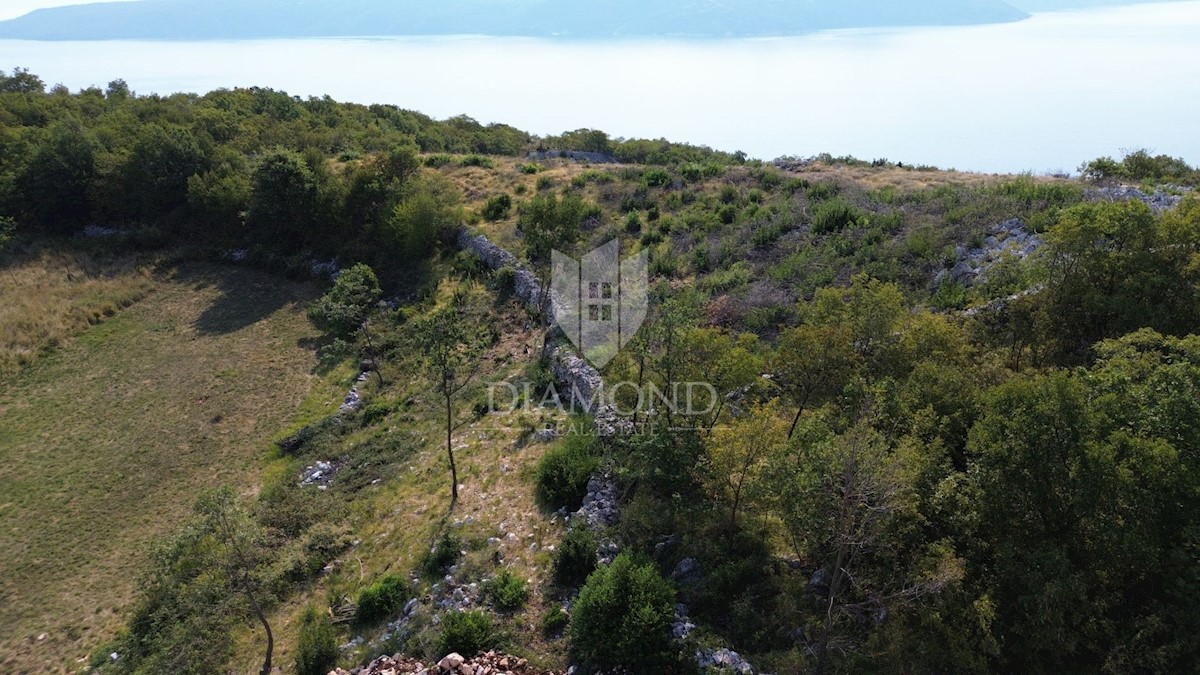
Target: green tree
x,y
159,167
52,190
451,342
284,200
812,363
550,222
1086,491
849,502
202,581
622,618
739,453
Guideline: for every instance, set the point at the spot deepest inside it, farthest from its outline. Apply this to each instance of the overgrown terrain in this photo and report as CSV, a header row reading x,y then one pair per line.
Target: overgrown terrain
x,y
954,427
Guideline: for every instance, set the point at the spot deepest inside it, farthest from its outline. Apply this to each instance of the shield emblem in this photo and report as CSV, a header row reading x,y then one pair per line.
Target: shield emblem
x,y
602,300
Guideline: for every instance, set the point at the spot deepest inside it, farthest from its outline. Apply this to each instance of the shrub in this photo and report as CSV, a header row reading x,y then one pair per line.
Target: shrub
x,y
381,599
657,177
833,216
436,161
497,207
445,553
531,168
563,473
477,160
822,191
467,633
544,183
317,650
633,223
622,618
554,621
353,297
507,592
575,558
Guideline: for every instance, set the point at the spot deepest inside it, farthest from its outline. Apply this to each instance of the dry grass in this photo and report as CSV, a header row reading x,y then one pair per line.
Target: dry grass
x,y
106,441
397,520
47,297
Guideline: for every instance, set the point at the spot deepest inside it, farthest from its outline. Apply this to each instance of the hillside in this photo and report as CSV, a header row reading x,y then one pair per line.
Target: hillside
x,y
951,420
232,19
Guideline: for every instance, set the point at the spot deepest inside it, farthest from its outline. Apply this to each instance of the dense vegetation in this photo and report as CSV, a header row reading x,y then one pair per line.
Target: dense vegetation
x,y
908,468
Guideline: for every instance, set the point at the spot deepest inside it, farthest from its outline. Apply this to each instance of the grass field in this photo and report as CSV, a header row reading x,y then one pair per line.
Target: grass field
x,y
106,440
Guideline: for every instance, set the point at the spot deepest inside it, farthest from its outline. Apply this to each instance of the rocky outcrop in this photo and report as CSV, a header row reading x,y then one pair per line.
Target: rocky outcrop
x,y
1158,202
489,663
971,265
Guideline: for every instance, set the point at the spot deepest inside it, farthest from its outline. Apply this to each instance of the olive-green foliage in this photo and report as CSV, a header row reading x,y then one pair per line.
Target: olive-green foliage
x,y
507,592
554,621
1141,165
466,633
200,584
575,558
284,200
52,191
317,649
835,215
382,599
549,222
622,618
497,207
1083,483
441,556
563,473
354,296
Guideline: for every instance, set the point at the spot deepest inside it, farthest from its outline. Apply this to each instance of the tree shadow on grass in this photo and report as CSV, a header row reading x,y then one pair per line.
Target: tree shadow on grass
x,y
245,298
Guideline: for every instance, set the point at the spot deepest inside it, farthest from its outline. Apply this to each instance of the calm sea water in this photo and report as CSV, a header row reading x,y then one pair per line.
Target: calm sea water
x,y
1040,95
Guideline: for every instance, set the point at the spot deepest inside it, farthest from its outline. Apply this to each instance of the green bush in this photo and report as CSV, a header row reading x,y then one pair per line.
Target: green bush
x,y
622,618
507,592
575,558
497,207
834,215
445,553
821,192
531,168
554,621
317,650
563,473
467,633
477,160
633,223
657,177
382,599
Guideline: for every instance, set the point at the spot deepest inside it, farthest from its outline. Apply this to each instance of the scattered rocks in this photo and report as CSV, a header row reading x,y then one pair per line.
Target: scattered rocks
x,y
1008,238
354,401
489,663
319,474
1158,202
683,626
723,658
